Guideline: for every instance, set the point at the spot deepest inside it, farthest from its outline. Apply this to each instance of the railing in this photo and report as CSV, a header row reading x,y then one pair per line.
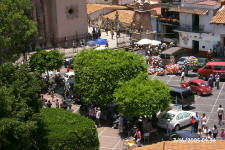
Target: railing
x,y
198,29
171,21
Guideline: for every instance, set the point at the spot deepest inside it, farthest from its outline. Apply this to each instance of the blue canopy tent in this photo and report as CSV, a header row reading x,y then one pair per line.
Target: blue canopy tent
x,y
100,41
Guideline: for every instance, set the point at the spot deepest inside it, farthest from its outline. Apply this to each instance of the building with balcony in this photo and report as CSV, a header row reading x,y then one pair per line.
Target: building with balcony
x,y
196,32
169,20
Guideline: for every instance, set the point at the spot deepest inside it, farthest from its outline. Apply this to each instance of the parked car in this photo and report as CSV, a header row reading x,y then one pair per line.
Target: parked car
x,y
183,134
68,62
198,86
177,118
181,96
212,68
177,52
69,77
201,63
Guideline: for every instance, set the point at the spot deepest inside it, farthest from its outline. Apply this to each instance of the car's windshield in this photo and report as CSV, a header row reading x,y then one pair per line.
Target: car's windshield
x,y
204,84
168,116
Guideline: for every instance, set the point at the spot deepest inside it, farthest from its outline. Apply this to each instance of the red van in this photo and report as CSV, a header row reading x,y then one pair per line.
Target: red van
x,y
212,68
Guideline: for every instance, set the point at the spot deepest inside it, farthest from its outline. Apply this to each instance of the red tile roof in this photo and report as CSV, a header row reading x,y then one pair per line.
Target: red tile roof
x,y
189,10
95,7
171,145
205,2
219,18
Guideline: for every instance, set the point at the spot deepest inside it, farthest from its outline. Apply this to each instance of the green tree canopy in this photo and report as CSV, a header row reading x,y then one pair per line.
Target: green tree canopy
x,y
141,96
16,27
69,131
97,73
46,60
20,107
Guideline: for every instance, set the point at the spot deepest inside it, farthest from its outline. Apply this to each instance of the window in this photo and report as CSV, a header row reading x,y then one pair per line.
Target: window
x,y
186,115
168,116
180,116
207,67
217,68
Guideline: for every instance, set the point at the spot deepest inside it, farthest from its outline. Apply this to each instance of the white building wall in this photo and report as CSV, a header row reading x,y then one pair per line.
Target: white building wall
x,y
206,41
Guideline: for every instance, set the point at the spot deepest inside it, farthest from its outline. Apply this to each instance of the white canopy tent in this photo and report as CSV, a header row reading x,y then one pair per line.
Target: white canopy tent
x,y
144,42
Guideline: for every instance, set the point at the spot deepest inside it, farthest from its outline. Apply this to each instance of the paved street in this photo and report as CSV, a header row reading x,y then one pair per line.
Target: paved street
x,y
203,104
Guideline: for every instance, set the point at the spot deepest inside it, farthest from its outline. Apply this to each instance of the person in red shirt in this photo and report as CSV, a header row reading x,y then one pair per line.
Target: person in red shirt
x,y
192,120
138,136
68,69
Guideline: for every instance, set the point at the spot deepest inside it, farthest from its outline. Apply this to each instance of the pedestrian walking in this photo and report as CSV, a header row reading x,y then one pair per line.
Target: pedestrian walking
x,y
186,69
197,119
118,33
217,81
214,131
112,33
182,77
57,103
68,69
42,98
138,136
192,121
98,117
220,112
203,120
121,124
210,82
222,134
53,95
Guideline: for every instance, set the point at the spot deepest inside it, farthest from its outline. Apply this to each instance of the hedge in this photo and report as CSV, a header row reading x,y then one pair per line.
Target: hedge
x,y
68,131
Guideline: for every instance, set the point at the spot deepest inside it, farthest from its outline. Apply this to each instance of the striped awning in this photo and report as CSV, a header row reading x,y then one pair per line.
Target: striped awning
x,y
190,10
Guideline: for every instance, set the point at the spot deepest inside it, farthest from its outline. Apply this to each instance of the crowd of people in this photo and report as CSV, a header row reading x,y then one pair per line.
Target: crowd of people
x,y
204,130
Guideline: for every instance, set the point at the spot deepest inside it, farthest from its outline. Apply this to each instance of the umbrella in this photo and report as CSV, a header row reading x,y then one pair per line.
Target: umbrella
x,y
100,48
154,42
91,43
144,42
100,41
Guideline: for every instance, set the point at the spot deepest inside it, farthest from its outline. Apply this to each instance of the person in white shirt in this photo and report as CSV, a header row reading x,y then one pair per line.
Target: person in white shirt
x,y
182,76
98,115
220,112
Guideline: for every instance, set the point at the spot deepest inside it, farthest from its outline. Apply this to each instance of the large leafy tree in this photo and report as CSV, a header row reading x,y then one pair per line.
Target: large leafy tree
x,y
141,96
68,131
20,107
44,61
97,73
16,27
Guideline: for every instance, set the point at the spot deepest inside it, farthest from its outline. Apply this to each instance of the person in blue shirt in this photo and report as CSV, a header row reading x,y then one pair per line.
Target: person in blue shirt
x,y
197,118
210,81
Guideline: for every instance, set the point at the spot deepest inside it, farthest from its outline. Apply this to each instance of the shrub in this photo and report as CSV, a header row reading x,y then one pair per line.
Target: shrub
x,y
69,131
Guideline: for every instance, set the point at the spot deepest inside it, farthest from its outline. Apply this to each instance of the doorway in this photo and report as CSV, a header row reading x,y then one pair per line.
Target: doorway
x,y
195,22
195,47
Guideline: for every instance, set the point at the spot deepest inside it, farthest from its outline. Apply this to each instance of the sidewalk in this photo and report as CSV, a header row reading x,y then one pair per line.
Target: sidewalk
x,y
109,139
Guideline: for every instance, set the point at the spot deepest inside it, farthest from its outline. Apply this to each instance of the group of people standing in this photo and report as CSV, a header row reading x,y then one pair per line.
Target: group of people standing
x,y
95,115
215,78
204,131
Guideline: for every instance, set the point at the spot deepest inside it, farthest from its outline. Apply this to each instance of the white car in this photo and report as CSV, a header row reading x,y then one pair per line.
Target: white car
x,y
178,119
69,77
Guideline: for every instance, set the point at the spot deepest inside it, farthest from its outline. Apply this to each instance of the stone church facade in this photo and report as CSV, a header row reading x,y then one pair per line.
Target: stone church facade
x,y
60,22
